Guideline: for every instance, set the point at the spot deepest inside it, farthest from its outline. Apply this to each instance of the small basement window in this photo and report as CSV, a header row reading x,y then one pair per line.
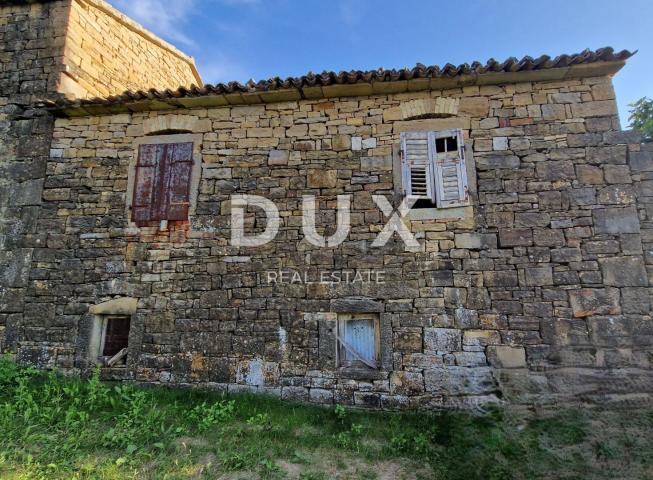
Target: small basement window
x,y
115,339
358,340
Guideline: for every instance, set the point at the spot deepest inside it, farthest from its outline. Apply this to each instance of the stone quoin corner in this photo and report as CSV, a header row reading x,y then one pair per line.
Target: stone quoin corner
x,y
499,218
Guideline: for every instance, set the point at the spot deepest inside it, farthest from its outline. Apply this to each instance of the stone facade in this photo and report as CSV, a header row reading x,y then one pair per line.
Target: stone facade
x,y
40,61
537,292
106,53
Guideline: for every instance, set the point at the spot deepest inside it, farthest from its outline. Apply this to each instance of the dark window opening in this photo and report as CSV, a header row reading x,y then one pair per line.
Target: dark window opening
x,y
446,144
116,335
424,203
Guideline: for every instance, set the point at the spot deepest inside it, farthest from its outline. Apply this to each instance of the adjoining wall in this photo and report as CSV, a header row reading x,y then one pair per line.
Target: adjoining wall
x,y
48,49
31,48
541,295
107,53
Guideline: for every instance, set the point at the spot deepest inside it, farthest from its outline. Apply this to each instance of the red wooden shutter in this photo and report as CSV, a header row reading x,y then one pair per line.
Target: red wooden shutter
x,y
179,162
162,183
149,160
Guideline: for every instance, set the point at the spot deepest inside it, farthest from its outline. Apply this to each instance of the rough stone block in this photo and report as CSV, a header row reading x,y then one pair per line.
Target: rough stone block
x,y
494,162
602,108
503,356
442,340
278,157
641,161
515,237
616,220
594,301
500,278
376,163
566,255
470,359
551,170
318,178
538,276
341,142
589,174
636,300
615,155
617,174
624,271
450,380
476,240
406,383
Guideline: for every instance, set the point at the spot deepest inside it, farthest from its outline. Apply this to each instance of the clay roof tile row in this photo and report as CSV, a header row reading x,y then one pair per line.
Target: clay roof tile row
x,y
420,71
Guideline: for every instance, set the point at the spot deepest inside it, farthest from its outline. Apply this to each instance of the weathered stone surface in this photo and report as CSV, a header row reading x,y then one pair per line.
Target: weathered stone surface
x,y
278,157
476,240
503,356
555,170
376,163
443,340
117,306
451,380
538,276
636,300
515,237
356,304
341,142
589,174
501,279
406,383
616,220
612,155
594,301
624,271
322,178
491,282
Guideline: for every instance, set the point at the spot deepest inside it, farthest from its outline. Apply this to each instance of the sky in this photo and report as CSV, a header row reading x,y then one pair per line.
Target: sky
x,y
259,39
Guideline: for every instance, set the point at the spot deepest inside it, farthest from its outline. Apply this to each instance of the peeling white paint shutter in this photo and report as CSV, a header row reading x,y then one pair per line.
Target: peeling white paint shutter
x,y
450,169
417,165
359,335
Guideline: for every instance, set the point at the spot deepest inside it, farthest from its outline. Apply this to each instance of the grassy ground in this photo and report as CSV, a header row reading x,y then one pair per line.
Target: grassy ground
x,y
60,428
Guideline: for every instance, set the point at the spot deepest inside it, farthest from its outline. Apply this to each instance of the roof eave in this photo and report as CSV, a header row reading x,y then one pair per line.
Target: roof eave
x,y
584,70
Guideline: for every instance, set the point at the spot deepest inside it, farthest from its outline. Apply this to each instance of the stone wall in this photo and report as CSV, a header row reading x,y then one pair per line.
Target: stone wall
x,y
48,50
107,53
31,46
538,293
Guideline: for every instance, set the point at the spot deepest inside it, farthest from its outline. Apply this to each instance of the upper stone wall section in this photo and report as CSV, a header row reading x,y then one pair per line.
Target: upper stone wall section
x,y
107,53
32,37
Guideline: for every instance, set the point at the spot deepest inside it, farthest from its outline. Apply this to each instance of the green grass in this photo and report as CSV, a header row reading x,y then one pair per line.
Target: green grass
x,y
53,427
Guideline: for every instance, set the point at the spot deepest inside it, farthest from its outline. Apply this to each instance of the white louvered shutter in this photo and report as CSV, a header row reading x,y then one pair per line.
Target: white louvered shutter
x,y
417,166
450,170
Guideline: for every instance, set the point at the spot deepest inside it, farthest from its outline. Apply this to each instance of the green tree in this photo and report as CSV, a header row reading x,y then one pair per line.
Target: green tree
x,y
641,117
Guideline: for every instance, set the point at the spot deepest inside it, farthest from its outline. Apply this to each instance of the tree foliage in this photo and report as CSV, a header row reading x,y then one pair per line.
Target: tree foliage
x,y
641,117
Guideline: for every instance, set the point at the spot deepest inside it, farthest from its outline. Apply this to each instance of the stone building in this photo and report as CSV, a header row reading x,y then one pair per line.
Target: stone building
x,y
528,279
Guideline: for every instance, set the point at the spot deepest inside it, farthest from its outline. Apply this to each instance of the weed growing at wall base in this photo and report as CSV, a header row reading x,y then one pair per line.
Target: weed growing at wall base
x,y
53,427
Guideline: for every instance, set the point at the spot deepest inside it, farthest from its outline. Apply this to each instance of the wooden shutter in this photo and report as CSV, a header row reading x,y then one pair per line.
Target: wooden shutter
x,y
450,169
180,164
417,165
162,183
150,159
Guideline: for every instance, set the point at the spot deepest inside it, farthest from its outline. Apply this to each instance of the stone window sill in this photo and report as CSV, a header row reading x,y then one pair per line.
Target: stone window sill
x,y
359,373
452,214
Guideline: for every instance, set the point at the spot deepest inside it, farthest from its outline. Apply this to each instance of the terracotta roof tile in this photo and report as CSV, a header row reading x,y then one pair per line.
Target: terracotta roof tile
x,y
420,71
